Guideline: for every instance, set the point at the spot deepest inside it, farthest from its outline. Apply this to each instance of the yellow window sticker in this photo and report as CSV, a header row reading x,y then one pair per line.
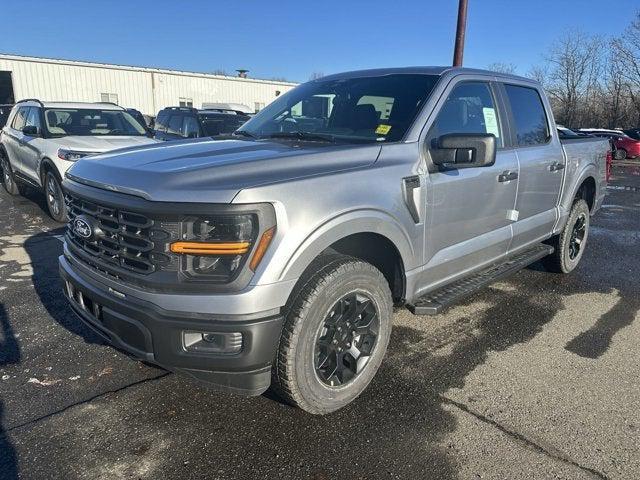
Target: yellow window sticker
x,y
383,129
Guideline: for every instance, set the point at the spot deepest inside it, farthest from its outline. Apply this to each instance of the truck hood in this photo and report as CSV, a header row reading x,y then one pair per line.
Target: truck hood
x,y
101,144
213,170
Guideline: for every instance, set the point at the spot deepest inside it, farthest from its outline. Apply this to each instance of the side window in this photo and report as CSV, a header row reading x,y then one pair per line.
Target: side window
x,y
531,124
161,122
20,119
190,127
33,118
469,108
175,125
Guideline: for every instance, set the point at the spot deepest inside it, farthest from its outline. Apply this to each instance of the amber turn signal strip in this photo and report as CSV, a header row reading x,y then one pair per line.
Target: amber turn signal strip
x,y
261,249
204,248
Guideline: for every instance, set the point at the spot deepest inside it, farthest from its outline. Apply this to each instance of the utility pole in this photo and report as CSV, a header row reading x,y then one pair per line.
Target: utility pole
x,y
460,31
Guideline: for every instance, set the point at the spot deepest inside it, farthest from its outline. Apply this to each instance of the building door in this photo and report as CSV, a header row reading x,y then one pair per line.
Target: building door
x,y
6,88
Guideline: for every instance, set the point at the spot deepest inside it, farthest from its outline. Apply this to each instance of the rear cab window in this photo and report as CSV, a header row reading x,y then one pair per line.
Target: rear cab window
x,y
531,124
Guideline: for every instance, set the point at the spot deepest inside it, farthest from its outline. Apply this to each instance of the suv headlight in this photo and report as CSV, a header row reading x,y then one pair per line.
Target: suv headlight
x,y
215,248
72,155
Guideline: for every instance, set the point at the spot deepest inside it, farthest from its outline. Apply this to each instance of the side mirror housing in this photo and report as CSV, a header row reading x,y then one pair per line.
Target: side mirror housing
x,y
464,150
31,130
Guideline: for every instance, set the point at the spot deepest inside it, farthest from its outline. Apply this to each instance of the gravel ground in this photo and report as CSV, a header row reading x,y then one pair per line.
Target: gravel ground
x,y
534,377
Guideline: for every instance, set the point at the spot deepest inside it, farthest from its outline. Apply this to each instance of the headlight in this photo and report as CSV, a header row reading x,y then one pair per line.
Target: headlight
x,y
214,248
72,155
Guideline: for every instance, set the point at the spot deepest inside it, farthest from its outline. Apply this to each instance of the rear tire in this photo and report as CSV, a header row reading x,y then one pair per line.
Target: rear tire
x,y
55,198
570,243
336,331
8,178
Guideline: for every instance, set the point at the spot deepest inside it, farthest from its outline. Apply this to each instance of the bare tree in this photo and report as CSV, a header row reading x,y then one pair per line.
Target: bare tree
x,y
626,52
316,75
573,65
502,67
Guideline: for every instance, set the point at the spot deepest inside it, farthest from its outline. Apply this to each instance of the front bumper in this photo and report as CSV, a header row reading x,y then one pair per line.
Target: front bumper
x,y
151,333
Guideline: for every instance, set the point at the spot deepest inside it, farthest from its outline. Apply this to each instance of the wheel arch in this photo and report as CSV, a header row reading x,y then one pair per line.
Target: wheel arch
x,y
372,236
46,165
587,191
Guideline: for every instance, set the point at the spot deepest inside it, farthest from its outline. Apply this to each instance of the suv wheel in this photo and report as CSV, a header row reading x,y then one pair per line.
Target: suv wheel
x,y
55,198
335,335
8,179
570,243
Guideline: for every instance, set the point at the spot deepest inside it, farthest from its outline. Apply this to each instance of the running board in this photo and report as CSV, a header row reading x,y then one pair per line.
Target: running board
x,y
435,302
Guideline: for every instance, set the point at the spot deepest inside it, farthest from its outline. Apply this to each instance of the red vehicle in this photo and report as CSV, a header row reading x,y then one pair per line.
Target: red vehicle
x,y
624,145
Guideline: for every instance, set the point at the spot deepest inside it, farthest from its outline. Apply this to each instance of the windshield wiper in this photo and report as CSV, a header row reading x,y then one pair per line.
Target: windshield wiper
x,y
244,133
304,136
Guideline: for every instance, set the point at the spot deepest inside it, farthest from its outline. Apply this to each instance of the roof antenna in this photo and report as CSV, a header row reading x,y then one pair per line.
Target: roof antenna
x,y
460,31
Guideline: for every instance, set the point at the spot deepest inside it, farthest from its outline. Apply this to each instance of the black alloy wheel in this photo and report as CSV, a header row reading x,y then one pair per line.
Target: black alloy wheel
x,y
346,339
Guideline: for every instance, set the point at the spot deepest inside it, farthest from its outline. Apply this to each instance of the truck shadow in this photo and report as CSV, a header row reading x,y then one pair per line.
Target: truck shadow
x,y
9,354
43,250
595,341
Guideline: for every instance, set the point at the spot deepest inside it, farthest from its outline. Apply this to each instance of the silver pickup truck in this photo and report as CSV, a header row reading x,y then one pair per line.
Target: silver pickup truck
x,y
274,257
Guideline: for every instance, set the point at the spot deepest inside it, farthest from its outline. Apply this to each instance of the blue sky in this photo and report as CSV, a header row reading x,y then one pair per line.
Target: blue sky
x,y
292,39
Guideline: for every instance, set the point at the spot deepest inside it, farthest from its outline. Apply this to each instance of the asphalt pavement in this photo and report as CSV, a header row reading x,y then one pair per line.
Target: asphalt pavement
x,y
534,377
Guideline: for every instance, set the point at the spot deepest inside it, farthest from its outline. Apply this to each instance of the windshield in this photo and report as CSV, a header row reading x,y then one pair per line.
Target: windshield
x,y
60,122
213,124
354,110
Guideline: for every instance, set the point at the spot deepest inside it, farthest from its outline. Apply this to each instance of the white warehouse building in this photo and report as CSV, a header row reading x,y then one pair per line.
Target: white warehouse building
x,y
145,89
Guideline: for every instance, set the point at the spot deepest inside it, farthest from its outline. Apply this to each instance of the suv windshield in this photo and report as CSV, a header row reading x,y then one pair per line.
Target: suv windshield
x,y
354,110
60,122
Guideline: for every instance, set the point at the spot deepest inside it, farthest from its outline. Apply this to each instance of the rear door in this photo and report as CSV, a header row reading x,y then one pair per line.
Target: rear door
x,y
468,209
541,162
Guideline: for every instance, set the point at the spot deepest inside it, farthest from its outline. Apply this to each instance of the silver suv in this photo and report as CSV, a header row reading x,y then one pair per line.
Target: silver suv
x,y
41,140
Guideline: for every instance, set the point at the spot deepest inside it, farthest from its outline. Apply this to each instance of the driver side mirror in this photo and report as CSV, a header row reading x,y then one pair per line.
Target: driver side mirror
x,y
464,150
31,130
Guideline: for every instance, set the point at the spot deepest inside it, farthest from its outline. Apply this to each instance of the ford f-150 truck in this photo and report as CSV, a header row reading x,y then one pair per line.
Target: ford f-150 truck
x,y
274,257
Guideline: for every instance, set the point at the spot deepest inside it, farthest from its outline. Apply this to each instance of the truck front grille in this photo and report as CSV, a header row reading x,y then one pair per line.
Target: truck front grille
x,y
124,238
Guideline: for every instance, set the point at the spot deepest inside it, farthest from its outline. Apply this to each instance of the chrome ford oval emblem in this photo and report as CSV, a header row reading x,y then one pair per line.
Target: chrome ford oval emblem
x,y
82,228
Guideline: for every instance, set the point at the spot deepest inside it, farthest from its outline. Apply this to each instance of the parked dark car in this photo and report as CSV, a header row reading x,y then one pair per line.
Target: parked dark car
x,y
175,123
633,133
4,113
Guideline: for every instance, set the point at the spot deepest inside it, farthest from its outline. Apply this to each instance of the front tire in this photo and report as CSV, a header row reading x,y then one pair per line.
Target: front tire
x,y
55,198
570,243
8,178
621,154
336,331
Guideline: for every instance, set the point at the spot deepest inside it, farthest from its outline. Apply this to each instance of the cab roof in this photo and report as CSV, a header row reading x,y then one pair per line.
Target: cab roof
x,y
424,70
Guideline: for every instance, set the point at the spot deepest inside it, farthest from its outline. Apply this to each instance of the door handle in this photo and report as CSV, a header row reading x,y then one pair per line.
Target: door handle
x,y
554,167
507,175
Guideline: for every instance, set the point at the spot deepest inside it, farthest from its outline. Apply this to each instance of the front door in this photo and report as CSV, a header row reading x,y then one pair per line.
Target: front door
x,y
469,210
12,138
32,145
